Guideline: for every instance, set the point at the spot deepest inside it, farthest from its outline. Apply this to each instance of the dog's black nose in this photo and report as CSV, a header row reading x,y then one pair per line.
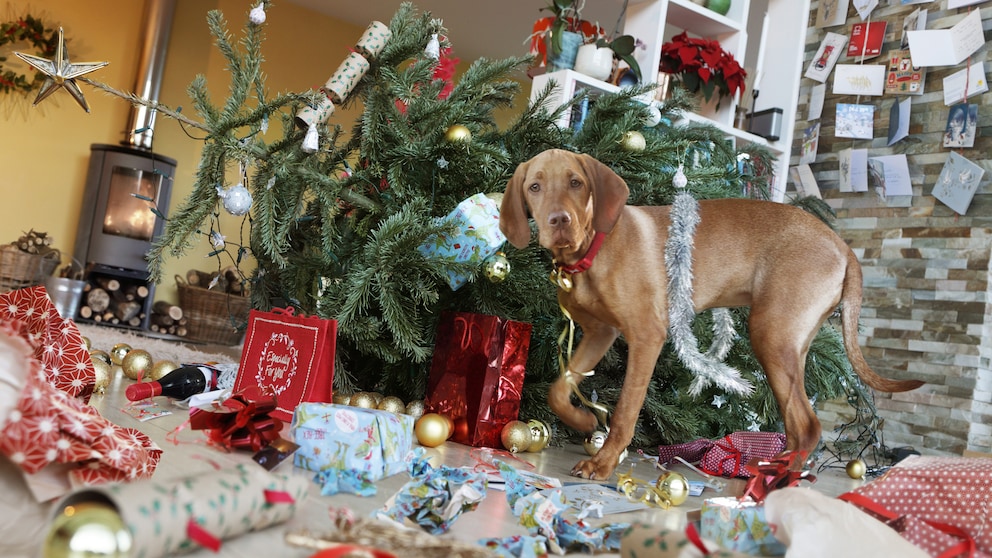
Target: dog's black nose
x,y
559,219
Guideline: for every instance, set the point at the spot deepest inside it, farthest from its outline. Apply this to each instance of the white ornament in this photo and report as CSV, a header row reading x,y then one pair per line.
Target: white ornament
x,y
257,14
270,183
433,49
679,179
654,116
719,401
311,141
236,199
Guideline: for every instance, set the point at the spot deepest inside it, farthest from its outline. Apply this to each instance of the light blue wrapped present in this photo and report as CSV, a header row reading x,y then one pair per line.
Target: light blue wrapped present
x,y
738,525
478,221
350,447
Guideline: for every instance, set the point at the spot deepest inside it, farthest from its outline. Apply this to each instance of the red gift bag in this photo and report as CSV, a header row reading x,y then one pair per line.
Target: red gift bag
x,y
477,374
288,356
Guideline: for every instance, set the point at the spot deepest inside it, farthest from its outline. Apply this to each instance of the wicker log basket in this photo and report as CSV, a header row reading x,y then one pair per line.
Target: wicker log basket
x,y
214,316
19,269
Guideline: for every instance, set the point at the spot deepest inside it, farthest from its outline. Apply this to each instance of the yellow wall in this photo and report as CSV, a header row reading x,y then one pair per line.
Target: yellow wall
x,y
44,150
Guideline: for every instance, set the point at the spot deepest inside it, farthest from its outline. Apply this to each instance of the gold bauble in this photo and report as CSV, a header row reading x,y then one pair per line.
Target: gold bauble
x,y
594,442
516,436
633,141
856,469
377,397
540,435
341,398
496,268
674,486
118,353
137,363
89,530
102,355
431,430
458,134
86,343
363,399
160,368
415,408
103,375
392,404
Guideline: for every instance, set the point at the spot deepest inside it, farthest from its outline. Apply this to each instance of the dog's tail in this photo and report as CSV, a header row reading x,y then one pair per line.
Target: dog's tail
x,y
849,314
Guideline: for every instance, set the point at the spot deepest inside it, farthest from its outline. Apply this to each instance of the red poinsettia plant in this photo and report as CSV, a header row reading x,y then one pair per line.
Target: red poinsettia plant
x,y
702,65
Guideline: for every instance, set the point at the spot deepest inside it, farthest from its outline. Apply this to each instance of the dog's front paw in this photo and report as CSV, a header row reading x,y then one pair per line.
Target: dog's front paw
x,y
595,468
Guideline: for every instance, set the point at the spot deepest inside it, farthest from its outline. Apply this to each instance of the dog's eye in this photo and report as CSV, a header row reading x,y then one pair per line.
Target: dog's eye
x,y
535,187
575,183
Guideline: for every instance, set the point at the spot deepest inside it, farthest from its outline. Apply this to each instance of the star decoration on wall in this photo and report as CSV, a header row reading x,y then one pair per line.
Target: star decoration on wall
x,y
61,73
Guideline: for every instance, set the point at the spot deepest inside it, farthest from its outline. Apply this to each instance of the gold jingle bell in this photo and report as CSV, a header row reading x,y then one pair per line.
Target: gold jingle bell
x,y
118,353
540,435
88,530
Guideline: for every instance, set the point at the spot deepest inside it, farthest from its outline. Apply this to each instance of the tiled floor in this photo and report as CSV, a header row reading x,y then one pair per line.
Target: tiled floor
x,y
491,519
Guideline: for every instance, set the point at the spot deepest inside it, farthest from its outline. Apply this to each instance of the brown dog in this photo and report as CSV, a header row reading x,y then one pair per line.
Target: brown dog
x,y
784,263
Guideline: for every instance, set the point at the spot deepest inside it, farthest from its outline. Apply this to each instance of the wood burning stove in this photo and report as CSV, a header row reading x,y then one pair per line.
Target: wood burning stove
x,y
116,229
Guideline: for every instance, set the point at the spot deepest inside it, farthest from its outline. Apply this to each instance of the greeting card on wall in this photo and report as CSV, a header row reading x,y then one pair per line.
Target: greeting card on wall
x,y
962,123
865,7
855,121
916,21
859,79
811,140
957,182
853,170
899,120
951,4
947,47
831,13
826,56
902,78
970,81
816,97
890,175
805,181
866,40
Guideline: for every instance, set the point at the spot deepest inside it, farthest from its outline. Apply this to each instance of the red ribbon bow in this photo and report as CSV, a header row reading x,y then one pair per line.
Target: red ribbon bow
x,y
241,422
772,474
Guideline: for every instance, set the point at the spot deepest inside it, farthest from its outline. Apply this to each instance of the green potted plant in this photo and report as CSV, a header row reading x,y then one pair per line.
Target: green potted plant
x,y
557,38
623,48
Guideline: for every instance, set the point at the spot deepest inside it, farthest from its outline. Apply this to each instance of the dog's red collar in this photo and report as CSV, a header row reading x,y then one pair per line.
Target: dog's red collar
x,y
586,261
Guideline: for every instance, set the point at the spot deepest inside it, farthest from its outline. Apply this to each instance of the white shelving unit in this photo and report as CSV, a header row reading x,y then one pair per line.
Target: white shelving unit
x,y
739,32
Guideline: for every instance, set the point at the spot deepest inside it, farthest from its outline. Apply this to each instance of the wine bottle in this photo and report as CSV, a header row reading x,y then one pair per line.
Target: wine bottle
x,y
182,383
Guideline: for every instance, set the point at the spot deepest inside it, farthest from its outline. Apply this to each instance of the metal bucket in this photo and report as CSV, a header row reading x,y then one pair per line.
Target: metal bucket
x,y
66,294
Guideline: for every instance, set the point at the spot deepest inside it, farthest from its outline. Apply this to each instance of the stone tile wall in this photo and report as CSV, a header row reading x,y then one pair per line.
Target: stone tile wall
x,y
928,298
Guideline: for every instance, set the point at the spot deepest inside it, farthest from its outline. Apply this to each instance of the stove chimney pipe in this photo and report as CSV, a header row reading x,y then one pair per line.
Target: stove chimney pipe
x,y
158,25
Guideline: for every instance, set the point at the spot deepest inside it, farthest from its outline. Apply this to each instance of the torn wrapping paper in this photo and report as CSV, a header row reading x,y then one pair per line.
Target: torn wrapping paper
x,y
174,516
543,513
56,341
240,421
435,498
55,439
349,447
727,456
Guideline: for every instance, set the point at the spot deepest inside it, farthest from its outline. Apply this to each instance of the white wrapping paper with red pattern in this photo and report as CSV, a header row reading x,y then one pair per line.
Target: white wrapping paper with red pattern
x,y
47,433
940,504
56,341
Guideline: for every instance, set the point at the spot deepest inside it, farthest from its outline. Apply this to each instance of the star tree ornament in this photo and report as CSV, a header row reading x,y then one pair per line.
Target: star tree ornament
x,y
60,72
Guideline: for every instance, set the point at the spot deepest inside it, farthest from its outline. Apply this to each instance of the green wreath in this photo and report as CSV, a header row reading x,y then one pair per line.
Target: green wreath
x,y
31,30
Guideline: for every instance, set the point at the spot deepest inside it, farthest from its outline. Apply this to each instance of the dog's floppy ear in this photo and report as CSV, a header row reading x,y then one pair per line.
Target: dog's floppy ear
x,y
609,193
513,211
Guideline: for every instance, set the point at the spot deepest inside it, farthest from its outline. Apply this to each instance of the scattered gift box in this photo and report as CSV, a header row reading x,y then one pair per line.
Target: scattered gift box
x,y
365,444
479,237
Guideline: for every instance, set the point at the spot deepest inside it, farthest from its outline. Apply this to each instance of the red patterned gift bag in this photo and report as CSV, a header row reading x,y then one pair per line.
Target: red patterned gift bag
x,y
289,356
56,341
477,374
941,504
